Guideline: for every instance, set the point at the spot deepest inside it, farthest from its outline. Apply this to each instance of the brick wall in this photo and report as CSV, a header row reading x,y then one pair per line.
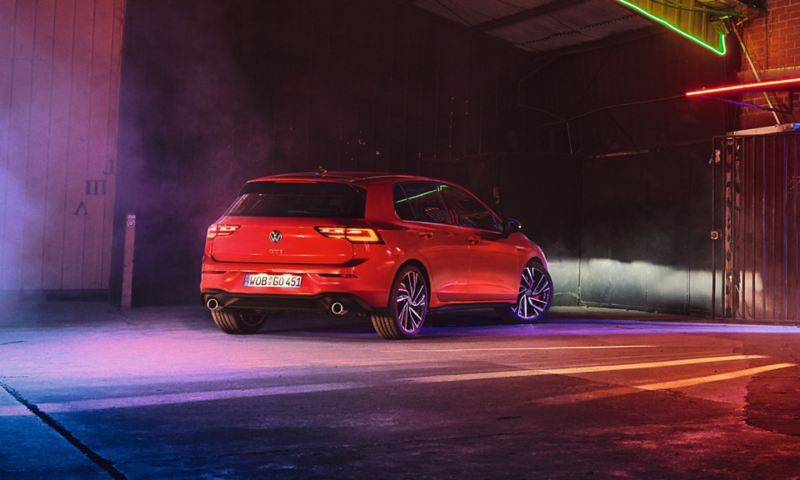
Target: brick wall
x,y
774,46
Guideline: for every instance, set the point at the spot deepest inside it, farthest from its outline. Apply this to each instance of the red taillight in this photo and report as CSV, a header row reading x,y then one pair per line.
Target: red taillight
x,y
219,230
362,235
353,234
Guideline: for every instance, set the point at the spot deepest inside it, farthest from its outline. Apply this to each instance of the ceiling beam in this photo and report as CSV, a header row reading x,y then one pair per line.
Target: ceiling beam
x,y
541,10
612,41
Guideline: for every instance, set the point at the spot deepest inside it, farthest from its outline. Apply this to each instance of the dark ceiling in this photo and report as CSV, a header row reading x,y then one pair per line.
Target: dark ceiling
x,y
539,25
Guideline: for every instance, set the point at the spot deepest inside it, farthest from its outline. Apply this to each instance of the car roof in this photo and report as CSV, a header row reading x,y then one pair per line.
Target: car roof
x,y
349,177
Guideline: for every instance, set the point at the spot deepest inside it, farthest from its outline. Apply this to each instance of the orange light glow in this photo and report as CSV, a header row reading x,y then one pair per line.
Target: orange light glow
x,y
352,234
221,230
332,232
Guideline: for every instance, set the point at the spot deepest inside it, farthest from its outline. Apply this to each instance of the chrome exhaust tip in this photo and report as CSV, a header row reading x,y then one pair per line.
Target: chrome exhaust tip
x,y
213,304
337,308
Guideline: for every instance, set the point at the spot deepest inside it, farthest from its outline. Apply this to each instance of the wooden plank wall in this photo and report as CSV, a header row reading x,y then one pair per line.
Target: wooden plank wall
x,y
59,102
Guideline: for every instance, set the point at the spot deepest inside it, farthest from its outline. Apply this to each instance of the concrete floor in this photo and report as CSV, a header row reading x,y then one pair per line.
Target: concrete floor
x,y
160,393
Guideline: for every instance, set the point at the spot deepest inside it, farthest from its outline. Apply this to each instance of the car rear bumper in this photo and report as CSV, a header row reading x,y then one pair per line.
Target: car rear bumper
x,y
272,302
362,285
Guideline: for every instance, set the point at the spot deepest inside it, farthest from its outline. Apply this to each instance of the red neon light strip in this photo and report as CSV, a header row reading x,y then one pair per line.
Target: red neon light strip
x,y
745,86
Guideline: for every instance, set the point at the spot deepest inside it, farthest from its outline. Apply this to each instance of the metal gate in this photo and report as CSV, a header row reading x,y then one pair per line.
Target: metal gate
x,y
755,232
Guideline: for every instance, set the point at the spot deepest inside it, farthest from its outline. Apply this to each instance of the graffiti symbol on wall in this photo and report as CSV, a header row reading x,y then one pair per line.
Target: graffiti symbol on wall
x,y
95,187
81,207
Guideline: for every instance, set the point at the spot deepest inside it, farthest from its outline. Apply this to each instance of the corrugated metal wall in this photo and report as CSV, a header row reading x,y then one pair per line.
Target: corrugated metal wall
x,y
757,259
59,98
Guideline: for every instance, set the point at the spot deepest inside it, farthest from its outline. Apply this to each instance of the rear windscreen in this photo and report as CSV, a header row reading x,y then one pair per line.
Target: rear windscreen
x,y
301,199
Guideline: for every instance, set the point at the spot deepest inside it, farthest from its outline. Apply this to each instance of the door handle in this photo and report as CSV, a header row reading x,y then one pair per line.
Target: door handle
x,y
473,240
428,235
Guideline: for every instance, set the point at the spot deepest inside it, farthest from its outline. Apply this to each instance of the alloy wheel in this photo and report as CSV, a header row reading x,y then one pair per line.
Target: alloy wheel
x,y
412,301
535,293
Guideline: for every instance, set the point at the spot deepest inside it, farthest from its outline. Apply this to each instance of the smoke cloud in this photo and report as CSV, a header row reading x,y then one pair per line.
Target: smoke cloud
x,y
189,138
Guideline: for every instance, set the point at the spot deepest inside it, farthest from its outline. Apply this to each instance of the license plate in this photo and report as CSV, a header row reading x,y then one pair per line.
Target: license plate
x,y
267,280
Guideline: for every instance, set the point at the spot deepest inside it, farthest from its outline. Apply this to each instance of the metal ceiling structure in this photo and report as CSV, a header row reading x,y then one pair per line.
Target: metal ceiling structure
x,y
547,25
539,25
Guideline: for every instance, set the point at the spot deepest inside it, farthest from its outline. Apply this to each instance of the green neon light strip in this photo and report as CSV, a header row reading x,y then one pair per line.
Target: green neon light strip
x,y
423,194
720,49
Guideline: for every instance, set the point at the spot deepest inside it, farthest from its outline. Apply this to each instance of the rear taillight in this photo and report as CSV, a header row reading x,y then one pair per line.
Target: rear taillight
x,y
353,234
219,230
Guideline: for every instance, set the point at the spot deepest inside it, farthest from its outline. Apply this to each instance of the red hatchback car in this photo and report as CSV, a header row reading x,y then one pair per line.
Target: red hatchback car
x,y
393,247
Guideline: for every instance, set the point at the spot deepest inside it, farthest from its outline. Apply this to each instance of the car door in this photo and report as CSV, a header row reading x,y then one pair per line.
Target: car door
x,y
494,260
432,237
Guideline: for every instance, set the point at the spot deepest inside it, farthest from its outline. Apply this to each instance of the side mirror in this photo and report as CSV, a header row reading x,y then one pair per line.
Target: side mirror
x,y
511,225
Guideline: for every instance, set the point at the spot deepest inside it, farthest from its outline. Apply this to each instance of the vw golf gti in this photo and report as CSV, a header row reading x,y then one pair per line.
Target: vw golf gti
x,y
393,247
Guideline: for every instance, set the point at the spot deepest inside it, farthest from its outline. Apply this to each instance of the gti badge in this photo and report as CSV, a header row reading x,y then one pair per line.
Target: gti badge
x,y
275,236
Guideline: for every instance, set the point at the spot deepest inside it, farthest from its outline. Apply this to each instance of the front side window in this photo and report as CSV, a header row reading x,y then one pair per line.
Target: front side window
x,y
299,199
420,201
469,212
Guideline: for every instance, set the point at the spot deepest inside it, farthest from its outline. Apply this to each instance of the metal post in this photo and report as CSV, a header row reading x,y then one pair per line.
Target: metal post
x,y
796,186
714,156
773,230
785,306
764,242
127,260
727,270
754,266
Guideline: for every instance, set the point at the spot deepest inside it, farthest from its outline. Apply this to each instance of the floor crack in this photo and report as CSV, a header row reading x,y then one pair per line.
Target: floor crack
x,y
95,457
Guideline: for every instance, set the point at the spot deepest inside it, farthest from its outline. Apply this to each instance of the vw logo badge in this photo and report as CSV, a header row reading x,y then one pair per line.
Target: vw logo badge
x,y
275,236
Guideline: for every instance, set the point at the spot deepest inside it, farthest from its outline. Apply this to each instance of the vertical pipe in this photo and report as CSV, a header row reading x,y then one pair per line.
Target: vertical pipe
x,y
773,227
734,275
755,236
687,258
744,223
764,269
714,157
796,192
127,261
785,306
726,233
581,203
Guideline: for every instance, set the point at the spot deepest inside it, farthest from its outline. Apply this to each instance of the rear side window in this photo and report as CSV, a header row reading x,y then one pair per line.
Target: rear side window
x,y
299,199
420,201
401,204
469,212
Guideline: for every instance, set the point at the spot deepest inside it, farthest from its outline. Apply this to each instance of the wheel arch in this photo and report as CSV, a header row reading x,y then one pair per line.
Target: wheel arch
x,y
539,258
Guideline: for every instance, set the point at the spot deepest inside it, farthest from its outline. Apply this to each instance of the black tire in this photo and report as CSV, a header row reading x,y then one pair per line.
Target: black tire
x,y
237,322
405,317
539,303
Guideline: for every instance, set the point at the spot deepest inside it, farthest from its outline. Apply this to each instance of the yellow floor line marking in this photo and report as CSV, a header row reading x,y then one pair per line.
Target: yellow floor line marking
x,y
674,384
500,349
714,378
459,377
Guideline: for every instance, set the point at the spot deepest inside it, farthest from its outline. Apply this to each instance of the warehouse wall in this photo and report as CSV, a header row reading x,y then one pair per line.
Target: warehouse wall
x,y
632,206
59,90
215,93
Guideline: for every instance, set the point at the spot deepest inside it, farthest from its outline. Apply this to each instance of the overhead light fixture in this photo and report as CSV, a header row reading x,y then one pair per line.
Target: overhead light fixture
x,y
745,87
